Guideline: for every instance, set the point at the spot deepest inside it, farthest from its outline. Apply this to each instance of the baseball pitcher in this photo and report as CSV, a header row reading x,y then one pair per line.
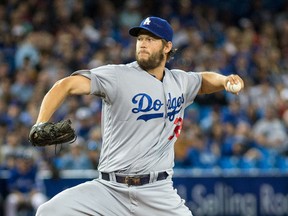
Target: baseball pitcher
x,y
142,116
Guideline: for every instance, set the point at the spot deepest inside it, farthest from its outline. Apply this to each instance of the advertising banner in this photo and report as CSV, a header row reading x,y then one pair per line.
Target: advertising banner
x,y
235,196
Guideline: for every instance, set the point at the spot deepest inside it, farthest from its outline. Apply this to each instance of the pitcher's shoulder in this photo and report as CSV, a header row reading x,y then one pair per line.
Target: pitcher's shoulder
x,y
185,75
182,72
111,67
176,71
128,66
133,65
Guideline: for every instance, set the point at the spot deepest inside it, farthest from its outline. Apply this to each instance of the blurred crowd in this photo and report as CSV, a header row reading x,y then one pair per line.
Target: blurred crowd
x,y
43,41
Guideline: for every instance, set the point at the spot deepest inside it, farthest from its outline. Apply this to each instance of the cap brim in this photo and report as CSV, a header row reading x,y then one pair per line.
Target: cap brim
x,y
135,31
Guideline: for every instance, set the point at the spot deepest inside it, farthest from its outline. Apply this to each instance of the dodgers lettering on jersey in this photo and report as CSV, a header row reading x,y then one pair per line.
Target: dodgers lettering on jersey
x,y
149,108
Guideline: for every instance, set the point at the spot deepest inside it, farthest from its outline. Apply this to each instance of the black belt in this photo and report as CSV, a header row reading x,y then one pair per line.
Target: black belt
x,y
134,180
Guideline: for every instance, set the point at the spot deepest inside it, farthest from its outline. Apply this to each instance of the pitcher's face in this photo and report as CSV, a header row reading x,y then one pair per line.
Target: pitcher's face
x,y
149,51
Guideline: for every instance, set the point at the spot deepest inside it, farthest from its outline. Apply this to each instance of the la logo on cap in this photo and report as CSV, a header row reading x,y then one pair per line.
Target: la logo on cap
x,y
147,21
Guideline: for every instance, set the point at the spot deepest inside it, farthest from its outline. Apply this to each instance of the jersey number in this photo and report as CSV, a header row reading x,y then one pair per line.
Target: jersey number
x,y
178,122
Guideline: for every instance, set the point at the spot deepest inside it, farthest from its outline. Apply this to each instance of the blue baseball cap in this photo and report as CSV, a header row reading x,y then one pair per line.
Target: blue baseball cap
x,y
157,26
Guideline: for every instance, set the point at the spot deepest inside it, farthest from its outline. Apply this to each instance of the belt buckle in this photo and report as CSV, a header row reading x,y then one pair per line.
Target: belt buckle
x,y
130,180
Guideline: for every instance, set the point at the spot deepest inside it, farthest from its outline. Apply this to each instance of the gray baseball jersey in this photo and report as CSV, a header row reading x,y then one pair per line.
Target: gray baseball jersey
x,y
142,116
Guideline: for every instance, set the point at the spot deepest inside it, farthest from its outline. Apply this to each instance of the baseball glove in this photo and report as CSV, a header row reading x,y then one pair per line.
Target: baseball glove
x,y
49,133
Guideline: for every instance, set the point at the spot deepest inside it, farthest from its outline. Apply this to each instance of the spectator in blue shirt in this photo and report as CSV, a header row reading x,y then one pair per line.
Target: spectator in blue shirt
x,y
22,186
75,159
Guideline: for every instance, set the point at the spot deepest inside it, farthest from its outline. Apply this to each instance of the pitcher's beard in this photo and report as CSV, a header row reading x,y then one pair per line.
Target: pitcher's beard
x,y
152,62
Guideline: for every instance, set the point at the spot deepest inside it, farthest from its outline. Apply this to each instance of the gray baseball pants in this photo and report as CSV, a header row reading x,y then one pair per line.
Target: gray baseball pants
x,y
109,198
